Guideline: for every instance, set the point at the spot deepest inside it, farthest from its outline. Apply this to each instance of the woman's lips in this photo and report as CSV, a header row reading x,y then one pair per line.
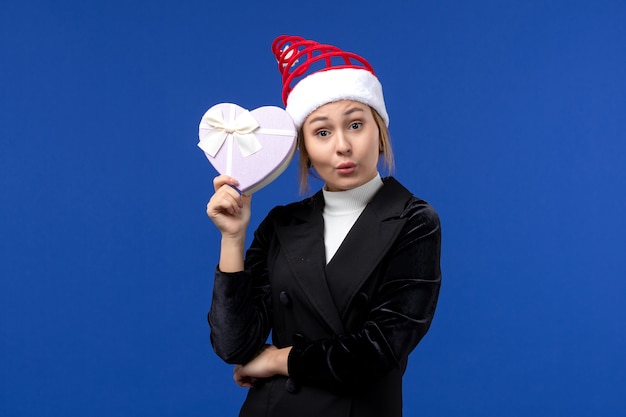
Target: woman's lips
x,y
346,168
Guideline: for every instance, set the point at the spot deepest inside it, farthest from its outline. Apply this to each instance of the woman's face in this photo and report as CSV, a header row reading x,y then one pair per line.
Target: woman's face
x,y
342,141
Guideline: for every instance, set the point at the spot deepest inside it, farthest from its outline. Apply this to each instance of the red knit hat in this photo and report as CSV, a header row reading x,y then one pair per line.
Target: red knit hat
x,y
315,74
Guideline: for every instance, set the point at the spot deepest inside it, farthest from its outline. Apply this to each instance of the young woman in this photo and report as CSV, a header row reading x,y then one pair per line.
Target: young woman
x,y
347,280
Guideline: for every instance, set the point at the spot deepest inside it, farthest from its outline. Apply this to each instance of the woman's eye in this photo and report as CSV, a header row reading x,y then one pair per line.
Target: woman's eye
x,y
323,133
355,125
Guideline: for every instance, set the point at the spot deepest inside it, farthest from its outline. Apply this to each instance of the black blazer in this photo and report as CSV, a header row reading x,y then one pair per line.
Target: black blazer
x,y
352,323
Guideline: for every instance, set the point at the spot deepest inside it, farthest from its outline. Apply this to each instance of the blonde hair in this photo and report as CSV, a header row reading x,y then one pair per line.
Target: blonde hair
x,y
385,154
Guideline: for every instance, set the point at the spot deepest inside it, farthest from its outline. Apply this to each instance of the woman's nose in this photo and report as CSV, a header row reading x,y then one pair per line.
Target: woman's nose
x,y
343,145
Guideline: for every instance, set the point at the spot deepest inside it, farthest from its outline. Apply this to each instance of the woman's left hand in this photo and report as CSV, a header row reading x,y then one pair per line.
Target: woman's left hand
x,y
269,362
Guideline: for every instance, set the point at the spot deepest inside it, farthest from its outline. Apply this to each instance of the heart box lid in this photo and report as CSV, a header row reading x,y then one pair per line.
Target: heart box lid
x,y
254,147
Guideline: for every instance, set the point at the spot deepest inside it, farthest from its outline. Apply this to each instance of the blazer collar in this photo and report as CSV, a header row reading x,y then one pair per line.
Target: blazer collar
x,y
302,242
367,243
330,288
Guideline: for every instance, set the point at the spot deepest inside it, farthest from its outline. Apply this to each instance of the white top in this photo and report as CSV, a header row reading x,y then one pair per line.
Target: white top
x,y
342,209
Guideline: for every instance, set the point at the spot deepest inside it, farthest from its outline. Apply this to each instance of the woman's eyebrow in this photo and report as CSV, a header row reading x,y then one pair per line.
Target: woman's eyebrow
x,y
325,118
317,119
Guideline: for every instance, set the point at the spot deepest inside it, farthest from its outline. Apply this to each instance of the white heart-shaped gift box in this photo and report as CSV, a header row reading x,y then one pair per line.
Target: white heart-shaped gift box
x,y
254,147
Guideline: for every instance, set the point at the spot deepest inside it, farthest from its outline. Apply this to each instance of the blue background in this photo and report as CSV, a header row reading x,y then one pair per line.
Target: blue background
x,y
508,116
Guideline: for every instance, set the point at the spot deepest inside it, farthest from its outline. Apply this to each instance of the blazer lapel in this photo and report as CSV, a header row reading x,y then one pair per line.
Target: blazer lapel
x,y
303,246
367,242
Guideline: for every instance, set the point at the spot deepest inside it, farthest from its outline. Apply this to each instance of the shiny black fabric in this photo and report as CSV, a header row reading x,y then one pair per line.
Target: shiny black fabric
x,y
352,323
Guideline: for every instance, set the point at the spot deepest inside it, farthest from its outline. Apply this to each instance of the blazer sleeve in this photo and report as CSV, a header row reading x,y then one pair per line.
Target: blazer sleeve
x,y
240,313
401,312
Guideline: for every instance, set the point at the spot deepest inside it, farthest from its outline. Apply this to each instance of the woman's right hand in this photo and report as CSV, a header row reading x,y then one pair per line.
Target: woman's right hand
x,y
228,209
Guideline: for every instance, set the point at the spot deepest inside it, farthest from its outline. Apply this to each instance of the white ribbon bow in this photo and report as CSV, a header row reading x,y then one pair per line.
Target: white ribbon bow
x,y
216,130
